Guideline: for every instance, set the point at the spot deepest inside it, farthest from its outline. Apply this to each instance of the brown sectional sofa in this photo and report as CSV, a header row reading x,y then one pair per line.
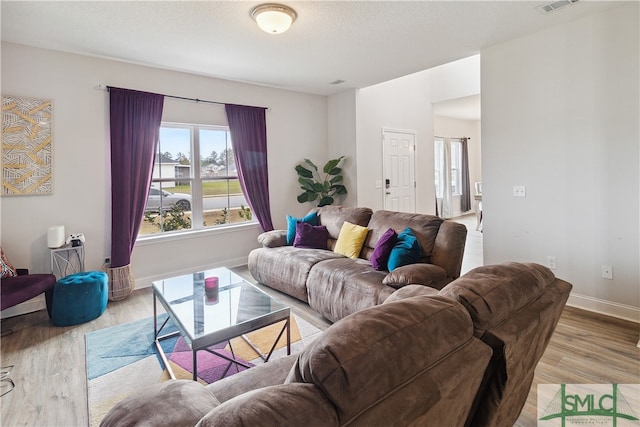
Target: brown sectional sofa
x,y
461,356
335,285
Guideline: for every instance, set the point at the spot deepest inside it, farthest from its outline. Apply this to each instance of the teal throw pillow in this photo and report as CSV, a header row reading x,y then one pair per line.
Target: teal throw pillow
x,y
406,251
311,219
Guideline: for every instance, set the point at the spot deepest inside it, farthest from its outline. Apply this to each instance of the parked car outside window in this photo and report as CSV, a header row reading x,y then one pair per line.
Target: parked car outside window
x,y
164,200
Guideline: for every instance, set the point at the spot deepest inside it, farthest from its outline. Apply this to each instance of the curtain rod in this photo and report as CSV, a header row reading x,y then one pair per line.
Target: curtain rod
x,y
183,98
456,137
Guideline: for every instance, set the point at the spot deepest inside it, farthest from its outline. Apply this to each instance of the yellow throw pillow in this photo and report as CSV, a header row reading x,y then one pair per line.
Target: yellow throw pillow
x,y
350,240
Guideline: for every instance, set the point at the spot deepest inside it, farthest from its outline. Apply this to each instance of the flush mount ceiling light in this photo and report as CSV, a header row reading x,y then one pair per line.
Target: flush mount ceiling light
x,y
273,18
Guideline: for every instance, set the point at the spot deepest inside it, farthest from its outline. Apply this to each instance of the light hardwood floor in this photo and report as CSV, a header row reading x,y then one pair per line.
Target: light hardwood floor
x,y
50,370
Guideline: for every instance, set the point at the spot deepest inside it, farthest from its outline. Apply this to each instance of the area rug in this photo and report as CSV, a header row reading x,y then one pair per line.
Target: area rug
x,y
122,359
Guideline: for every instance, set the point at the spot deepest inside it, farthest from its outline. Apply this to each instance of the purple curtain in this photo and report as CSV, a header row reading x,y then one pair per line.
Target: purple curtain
x,y
248,128
135,128
465,199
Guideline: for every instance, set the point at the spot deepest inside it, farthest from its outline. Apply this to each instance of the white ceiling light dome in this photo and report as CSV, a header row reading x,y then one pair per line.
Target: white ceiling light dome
x,y
273,18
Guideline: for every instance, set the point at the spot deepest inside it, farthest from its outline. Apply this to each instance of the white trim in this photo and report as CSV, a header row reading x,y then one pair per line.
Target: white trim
x,y
146,282
152,239
614,309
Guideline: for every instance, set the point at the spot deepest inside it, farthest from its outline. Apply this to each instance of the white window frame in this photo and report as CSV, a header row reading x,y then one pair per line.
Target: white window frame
x,y
196,180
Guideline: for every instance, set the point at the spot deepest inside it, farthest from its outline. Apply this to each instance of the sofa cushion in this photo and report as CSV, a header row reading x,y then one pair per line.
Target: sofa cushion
x,y
341,286
350,240
381,252
310,218
286,268
406,251
333,217
376,357
310,236
171,403
424,227
422,274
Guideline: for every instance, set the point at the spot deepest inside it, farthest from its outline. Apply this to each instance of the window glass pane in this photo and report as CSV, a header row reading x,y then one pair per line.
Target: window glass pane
x,y
213,148
223,202
173,154
168,208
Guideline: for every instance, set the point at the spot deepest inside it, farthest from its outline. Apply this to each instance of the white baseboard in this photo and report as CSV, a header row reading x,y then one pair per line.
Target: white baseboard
x,y
145,282
609,308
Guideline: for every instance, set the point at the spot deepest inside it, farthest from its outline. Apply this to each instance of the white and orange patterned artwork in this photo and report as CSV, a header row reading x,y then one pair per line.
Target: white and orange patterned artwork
x,y
26,146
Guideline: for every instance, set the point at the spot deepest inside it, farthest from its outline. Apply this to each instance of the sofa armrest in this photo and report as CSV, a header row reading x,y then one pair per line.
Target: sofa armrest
x,y
419,273
448,248
272,373
170,403
411,291
284,405
273,238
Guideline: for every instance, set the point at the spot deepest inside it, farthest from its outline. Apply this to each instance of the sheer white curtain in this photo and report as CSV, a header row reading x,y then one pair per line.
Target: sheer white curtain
x,y
443,177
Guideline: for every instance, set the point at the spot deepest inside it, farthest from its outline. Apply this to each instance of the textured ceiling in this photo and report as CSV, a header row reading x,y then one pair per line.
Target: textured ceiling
x,y
360,42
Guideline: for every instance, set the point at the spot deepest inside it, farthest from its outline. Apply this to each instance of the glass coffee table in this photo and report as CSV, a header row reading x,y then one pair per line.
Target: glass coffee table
x,y
205,314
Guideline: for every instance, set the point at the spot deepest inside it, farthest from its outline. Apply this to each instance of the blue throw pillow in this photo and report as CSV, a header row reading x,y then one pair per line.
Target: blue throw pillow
x,y
406,251
311,218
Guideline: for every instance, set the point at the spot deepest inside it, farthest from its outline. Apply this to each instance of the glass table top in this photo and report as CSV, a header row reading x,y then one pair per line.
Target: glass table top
x,y
213,314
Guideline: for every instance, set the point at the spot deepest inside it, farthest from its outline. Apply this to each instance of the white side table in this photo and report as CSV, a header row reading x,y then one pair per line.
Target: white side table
x,y
67,260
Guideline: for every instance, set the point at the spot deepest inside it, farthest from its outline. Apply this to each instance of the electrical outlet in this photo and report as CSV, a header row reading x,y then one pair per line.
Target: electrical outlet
x,y
107,260
551,262
519,191
607,272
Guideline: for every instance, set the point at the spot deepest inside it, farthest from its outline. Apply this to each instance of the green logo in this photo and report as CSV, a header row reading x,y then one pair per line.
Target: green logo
x,y
614,405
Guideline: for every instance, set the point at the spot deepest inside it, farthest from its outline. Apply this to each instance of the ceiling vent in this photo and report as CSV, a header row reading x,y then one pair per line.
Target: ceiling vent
x,y
552,7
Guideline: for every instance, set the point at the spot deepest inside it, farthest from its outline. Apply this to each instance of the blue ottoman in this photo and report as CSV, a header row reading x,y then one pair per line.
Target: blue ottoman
x,y
78,298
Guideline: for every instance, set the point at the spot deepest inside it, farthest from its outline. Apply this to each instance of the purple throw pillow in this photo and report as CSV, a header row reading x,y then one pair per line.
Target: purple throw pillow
x,y
311,236
382,250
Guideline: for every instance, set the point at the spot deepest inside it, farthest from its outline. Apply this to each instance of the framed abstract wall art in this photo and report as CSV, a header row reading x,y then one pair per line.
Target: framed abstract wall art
x,y
26,146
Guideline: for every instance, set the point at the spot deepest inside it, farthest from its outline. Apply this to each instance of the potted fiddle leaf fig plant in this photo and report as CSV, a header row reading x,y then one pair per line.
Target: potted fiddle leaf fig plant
x,y
320,186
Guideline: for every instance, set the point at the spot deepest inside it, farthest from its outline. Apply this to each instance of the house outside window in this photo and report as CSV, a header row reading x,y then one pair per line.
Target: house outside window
x,y
195,182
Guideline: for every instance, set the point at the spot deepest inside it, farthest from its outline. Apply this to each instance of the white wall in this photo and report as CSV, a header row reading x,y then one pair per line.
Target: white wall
x,y
457,79
456,128
400,104
560,113
81,196
342,140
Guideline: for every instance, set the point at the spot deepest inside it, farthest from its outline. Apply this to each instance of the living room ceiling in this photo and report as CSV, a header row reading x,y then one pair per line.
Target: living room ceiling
x,y
360,42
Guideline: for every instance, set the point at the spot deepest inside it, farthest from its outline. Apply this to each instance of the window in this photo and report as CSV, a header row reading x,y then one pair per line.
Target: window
x,y
456,163
190,194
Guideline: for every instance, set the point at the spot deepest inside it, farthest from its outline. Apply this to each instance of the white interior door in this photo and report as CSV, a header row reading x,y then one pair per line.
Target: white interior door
x,y
399,183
